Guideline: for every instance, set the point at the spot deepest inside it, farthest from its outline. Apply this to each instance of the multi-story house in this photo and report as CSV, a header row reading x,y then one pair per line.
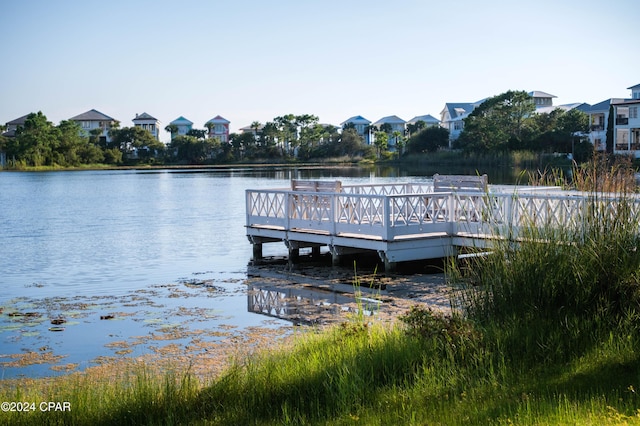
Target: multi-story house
x,y
12,126
95,120
362,126
182,127
429,120
452,117
148,123
393,124
218,128
598,118
626,134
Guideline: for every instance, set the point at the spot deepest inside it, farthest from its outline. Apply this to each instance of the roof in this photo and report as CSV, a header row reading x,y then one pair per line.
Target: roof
x,y
628,102
356,119
92,115
144,116
454,108
604,105
539,94
426,118
637,86
218,119
18,121
181,121
391,119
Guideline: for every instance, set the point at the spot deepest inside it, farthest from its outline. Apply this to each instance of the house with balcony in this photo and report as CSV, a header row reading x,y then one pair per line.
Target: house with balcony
x,y
148,123
626,134
218,128
391,124
361,125
95,122
181,126
598,118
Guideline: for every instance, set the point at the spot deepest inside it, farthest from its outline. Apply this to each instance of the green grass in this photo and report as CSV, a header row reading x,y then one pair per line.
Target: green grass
x,y
547,334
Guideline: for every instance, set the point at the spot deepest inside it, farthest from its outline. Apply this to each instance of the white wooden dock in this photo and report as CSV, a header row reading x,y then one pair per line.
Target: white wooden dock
x,y
407,221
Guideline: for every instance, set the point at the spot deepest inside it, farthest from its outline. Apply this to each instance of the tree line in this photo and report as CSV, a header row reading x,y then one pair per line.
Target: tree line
x,y
501,123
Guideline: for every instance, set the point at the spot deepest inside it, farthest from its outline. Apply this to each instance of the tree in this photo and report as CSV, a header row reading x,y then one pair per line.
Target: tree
x,y
255,126
136,139
381,142
171,129
497,122
35,142
609,137
415,127
429,139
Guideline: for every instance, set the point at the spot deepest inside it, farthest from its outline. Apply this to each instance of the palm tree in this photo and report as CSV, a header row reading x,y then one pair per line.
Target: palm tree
x,y
255,126
172,129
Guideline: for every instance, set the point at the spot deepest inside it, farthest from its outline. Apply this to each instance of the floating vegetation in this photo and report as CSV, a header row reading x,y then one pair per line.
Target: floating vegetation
x,y
58,321
56,328
107,317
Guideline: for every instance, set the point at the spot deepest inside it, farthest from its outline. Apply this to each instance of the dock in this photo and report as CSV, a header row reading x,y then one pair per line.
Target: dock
x,y
408,221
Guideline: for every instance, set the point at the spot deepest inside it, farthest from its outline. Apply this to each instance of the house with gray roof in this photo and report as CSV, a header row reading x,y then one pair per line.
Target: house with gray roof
x,y
395,124
148,123
428,119
452,117
362,126
95,120
13,125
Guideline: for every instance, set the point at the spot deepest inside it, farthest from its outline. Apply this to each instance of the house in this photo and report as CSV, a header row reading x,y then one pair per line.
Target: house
x,y
254,130
95,120
428,119
182,127
218,128
13,125
148,123
452,117
393,124
626,132
361,125
543,101
598,118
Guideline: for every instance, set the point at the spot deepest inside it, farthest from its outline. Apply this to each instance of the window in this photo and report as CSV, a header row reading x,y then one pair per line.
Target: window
x,y
633,112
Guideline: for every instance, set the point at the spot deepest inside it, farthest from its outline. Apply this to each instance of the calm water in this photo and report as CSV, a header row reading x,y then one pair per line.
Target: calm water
x,y
84,244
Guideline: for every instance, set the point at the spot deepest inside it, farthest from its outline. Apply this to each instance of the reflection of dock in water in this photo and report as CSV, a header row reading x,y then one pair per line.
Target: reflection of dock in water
x,y
306,305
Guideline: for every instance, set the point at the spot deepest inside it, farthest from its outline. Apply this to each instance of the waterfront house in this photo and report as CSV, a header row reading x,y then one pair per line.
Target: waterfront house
x,y
598,118
393,124
218,128
12,126
148,123
361,125
182,127
626,132
95,120
452,117
429,120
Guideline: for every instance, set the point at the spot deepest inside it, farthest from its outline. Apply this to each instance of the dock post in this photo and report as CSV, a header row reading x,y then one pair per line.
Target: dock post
x,y
335,256
294,255
315,251
257,251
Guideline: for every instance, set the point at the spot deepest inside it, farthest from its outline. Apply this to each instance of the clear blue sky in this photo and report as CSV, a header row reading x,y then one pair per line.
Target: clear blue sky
x,y
254,60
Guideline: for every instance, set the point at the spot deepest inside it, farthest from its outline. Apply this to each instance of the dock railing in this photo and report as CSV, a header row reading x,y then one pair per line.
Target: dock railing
x,y
391,212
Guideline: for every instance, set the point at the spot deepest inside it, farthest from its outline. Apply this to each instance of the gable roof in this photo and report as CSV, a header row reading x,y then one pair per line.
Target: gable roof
x,y
144,116
604,105
455,108
634,87
356,119
391,119
181,121
540,94
218,119
18,121
426,118
92,115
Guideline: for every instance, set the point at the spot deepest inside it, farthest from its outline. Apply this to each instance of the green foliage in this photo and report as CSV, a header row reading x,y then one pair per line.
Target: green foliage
x,y
496,122
429,139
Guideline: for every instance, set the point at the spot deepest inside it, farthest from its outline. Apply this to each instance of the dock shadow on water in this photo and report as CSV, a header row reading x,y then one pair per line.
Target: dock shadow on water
x,y
200,322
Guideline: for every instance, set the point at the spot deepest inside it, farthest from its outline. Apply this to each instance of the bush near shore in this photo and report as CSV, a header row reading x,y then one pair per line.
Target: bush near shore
x,y
545,333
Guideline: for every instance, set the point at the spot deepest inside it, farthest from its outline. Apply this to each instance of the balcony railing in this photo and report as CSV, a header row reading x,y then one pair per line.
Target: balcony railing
x,y
622,121
597,128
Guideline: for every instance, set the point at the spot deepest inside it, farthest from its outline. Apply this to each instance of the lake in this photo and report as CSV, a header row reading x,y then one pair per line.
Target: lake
x,y
127,254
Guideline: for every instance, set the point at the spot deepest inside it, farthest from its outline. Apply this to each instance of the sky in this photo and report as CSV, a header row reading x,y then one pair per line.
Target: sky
x,y
252,60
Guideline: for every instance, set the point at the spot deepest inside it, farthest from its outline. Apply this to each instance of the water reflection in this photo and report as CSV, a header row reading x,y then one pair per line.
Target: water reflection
x,y
305,304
